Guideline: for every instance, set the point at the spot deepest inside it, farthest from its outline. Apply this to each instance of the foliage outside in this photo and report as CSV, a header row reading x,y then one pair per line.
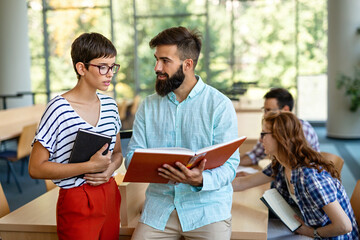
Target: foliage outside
x,y
352,88
258,44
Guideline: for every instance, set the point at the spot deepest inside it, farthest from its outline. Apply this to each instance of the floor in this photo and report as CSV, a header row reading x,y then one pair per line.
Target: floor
x,y
30,188
349,150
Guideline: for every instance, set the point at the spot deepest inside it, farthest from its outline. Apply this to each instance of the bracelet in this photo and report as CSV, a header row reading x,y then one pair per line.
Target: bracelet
x,y
316,235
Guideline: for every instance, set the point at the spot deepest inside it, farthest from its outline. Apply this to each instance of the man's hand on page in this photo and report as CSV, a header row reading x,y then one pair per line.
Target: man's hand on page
x,y
191,176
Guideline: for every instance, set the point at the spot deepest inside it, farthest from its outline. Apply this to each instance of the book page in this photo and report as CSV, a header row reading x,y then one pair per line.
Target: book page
x,y
169,150
206,149
94,133
281,208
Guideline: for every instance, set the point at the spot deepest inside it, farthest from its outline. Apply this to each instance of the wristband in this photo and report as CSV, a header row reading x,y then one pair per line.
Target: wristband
x,y
316,235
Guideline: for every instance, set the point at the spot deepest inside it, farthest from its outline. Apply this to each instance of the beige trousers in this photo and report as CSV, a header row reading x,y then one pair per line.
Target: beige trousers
x,y
214,231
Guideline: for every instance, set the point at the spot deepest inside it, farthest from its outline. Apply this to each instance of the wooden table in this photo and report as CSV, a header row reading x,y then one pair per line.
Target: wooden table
x,y
249,214
13,120
34,220
37,219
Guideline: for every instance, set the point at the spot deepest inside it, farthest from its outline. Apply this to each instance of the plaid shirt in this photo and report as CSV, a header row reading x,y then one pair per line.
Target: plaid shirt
x,y
258,152
314,190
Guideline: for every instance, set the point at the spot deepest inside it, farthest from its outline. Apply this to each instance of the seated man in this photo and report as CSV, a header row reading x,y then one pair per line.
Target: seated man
x,y
275,100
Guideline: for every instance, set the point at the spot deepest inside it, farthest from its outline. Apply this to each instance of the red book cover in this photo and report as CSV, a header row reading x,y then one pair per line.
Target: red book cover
x,y
145,162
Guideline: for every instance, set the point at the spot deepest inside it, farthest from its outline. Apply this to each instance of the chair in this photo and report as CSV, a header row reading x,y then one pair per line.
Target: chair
x,y
338,161
23,151
355,202
4,206
127,122
49,184
122,109
125,136
135,105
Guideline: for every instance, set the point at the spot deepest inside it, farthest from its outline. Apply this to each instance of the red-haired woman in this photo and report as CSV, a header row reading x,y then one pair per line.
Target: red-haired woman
x,y
305,180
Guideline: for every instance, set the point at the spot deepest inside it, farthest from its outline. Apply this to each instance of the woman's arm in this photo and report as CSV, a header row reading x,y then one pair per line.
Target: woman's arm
x,y
41,167
249,181
340,223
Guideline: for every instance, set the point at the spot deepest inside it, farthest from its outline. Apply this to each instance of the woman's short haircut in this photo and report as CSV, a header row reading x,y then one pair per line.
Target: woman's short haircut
x,y
89,46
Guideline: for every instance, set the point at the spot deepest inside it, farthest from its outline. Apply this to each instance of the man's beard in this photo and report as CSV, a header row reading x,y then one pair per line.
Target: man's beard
x,y
163,87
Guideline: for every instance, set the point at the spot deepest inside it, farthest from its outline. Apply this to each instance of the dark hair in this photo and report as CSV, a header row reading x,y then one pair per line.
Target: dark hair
x,y
89,46
188,42
282,96
287,130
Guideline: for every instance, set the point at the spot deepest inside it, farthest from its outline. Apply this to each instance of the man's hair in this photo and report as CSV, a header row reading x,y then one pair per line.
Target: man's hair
x,y
188,42
282,96
89,46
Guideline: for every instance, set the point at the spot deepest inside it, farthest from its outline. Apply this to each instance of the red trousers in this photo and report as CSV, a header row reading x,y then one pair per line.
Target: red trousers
x,y
89,212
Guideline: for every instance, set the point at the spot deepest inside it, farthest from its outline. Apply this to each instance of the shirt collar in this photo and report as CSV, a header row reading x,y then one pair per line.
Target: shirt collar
x,y
199,86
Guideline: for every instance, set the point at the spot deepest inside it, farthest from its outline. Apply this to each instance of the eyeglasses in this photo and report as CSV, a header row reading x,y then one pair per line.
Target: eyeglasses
x,y
262,134
104,69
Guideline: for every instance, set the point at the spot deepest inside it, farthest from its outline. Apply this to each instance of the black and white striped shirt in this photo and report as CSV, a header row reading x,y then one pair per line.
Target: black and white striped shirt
x,y
60,123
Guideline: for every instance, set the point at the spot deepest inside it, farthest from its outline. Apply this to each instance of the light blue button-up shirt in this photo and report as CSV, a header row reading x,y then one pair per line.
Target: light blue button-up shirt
x,y
206,117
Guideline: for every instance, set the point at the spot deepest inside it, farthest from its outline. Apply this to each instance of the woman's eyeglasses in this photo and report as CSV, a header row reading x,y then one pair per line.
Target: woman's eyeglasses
x,y
104,69
262,134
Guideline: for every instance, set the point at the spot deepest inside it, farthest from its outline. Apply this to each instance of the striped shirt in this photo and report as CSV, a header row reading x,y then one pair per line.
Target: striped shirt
x,y
60,123
206,117
314,190
258,152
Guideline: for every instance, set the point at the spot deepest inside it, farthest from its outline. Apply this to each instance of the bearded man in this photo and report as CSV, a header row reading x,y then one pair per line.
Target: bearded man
x,y
185,112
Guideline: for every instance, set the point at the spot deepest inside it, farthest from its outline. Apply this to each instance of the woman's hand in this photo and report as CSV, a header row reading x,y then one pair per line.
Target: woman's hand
x,y
96,179
304,229
99,161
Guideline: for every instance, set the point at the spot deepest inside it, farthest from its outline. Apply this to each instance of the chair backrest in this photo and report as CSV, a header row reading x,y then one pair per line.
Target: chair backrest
x,y
135,104
49,184
124,139
25,140
355,202
337,160
4,206
122,107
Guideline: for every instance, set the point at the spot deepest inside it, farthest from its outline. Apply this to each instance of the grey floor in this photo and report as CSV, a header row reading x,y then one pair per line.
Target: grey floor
x,y
348,149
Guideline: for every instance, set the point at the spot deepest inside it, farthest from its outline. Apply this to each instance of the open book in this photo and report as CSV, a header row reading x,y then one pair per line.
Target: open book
x,y
145,162
277,204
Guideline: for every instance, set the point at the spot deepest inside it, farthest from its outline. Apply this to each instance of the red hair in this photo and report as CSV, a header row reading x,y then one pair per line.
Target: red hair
x,y
287,130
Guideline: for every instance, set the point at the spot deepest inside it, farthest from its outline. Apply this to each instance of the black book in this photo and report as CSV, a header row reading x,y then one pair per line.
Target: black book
x,y
87,143
277,204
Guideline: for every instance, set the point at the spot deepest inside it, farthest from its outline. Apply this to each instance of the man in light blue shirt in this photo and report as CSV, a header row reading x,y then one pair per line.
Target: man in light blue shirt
x,y
185,112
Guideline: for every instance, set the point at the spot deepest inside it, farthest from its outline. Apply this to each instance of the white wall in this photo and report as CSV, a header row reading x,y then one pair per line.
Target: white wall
x,y
343,56
15,53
